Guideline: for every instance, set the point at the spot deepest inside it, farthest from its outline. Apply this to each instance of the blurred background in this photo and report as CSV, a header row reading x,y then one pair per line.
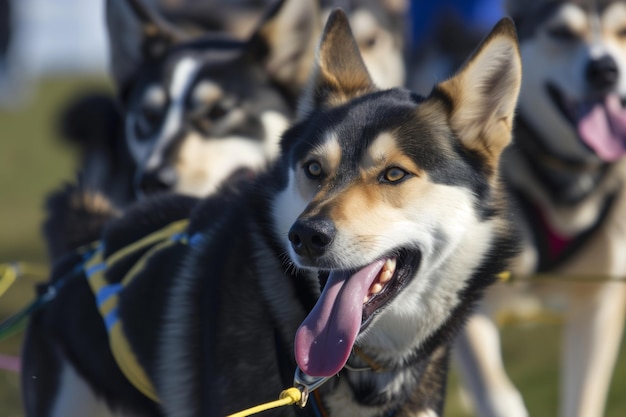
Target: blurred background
x,y
53,51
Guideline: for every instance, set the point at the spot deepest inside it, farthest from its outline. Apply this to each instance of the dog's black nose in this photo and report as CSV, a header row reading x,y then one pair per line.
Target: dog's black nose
x,y
311,237
159,180
602,73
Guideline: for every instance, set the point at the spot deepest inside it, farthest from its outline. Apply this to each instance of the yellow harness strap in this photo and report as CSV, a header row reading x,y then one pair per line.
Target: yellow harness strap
x,y
95,269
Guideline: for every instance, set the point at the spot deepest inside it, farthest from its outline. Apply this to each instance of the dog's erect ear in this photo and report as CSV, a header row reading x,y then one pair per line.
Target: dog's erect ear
x,y
483,94
136,34
339,73
285,41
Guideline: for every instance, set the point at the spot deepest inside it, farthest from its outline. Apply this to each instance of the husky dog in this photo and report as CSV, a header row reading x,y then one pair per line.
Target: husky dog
x,y
199,110
567,174
359,253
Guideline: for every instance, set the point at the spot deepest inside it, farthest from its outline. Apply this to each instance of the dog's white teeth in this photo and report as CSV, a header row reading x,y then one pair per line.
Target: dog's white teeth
x,y
385,276
390,265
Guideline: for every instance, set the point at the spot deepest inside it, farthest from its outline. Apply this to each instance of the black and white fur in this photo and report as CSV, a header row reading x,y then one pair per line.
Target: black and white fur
x,y
365,176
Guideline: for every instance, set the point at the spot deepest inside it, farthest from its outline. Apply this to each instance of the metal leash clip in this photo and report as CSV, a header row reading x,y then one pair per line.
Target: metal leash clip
x,y
307,384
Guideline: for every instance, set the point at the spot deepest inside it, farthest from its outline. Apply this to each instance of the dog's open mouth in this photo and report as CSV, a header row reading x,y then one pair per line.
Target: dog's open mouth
x,y
599,122
349,300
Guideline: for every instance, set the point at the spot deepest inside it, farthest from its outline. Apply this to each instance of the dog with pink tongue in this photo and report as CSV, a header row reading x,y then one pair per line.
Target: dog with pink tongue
x,y
354,259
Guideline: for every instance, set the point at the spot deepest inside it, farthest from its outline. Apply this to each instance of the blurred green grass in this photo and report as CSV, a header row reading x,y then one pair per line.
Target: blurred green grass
x,y
34,161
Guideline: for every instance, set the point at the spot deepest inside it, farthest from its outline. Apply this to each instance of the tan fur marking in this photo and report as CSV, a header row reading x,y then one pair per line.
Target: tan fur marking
x,y
384,153
613,22
367,208
207,92
202,164
329,153
94,203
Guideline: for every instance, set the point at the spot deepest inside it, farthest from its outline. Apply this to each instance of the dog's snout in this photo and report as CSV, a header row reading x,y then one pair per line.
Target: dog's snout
x,y
311,238
602,73
159,180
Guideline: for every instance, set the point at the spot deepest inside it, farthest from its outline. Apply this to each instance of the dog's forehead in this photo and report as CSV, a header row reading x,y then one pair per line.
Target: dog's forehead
x,y
211,50
376,129
355,124
183,63
205,62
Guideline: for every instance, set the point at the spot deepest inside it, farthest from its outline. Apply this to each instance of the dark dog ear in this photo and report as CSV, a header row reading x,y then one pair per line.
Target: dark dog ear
x,y
137,34
339,73
284,42
482,95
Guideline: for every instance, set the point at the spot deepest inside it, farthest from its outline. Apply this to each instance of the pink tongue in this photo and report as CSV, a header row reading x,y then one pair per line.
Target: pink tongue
x,y
325,338
603,128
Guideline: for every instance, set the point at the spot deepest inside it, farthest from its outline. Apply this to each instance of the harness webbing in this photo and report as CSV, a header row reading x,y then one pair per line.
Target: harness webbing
x,y
107,298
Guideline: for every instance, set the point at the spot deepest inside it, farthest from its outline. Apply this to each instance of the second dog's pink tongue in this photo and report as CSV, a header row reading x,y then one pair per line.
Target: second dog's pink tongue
x,y
325,338
603,128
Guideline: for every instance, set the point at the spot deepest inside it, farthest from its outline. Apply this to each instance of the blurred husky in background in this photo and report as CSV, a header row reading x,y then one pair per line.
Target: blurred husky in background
x,y
194,110
567,176
200,110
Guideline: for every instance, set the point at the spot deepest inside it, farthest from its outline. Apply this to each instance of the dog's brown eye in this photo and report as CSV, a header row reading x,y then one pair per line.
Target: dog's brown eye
x,y
313,169
621,33
394,174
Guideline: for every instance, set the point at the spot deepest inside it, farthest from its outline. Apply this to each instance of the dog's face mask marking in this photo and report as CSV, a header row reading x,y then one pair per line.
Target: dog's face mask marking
x,y
575,83
209,109
380,199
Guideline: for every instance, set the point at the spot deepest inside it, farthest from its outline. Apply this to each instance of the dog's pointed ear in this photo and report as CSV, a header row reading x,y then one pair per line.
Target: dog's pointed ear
x,y
284,42
483,94
339,73
137,34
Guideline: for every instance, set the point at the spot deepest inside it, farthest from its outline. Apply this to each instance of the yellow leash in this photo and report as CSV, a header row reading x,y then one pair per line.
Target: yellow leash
x,y
290,396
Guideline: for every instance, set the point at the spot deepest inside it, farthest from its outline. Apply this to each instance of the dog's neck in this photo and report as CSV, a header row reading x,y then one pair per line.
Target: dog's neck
x,y
565,181
383,392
